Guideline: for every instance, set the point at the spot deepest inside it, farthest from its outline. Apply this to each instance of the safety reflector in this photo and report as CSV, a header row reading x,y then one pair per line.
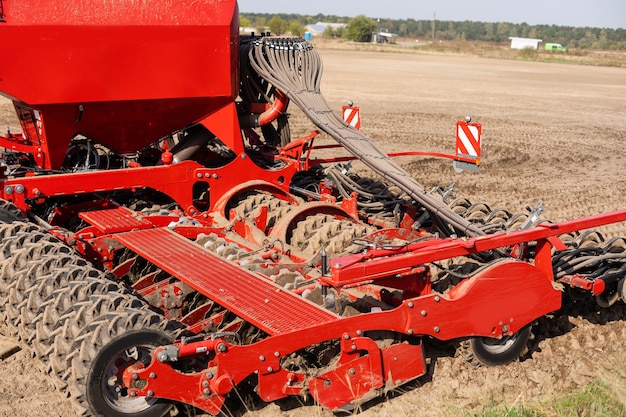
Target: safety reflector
x,y
352,116
468,138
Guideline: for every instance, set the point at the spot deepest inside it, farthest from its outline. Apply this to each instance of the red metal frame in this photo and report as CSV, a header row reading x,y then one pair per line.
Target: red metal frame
x,y
128,96
484,305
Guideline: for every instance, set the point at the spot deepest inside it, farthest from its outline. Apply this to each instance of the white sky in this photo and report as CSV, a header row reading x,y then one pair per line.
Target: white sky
x,y
581,13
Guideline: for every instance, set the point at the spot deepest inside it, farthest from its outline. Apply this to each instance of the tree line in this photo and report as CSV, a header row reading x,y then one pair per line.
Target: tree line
x,y
361,26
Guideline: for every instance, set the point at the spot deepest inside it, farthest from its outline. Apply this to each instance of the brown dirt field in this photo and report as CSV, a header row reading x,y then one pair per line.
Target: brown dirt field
x,y
552,132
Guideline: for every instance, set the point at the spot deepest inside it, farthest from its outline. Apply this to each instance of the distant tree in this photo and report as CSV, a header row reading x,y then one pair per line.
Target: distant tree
x,y
587,37
244,22
278,25
360,28
296,29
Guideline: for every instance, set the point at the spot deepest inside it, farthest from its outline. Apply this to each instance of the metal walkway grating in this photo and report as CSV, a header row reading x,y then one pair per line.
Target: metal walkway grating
x,y
248,295
115,220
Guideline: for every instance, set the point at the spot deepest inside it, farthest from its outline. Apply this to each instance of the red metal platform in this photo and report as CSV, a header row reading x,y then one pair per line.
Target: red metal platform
x,y
250,296
115,220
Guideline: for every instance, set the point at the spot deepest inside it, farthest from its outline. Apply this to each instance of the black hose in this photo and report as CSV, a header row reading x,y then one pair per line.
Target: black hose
x,y
295,68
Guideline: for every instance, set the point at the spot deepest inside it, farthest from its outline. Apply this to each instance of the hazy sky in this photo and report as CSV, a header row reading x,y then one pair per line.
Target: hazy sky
x,y
594,13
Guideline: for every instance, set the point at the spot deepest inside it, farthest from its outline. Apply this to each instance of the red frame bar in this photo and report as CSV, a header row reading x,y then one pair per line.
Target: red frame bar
x,y
379,263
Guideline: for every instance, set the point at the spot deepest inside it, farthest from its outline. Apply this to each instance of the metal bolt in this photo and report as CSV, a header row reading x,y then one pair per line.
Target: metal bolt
x,y
327,382
19,189
277,354
424,313
346,336
437,330
150,393
261,358
152,375
8,190
410,304
200,175
133,394
359,332
209,375
352,371
505,328
163,357
221,347
135,377
353,347
270,369
205,383
206,391
214,176
410,331
207,175
437,299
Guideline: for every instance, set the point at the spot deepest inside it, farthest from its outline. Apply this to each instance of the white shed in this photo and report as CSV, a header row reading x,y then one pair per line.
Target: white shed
x,y
521,43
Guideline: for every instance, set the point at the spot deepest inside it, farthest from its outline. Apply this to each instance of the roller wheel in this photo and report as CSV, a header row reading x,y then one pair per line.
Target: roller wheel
x,y
105,391
323,230
608,298
9,212
249,206
493,352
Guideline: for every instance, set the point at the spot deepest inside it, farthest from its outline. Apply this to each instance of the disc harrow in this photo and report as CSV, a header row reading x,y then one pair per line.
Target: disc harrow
x,y
184,246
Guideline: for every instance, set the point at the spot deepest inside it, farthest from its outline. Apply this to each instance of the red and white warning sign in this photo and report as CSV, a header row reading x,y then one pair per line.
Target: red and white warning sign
x,y
468,137
352,116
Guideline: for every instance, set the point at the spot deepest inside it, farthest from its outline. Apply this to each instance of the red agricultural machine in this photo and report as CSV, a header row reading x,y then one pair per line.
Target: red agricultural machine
x,y
165,240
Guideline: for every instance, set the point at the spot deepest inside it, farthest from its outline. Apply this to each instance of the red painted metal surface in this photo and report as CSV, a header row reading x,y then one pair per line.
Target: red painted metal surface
x,y
252,297
381,263
115,220
485,305
176,181
159,66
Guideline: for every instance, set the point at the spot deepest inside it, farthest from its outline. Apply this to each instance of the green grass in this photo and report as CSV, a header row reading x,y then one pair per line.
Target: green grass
x,y
597,399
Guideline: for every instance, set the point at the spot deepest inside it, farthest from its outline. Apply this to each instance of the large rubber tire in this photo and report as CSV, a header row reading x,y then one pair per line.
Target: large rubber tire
x,y
494,352
101,389
98,344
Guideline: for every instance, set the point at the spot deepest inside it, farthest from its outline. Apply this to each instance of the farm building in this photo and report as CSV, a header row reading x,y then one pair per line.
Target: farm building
x,y
320,27
521,43
384,37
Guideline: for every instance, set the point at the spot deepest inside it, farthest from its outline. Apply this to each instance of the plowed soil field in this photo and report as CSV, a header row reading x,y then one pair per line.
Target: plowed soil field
x,y
552,132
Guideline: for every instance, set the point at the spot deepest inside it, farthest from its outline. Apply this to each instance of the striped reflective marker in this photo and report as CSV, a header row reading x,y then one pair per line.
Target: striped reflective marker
x,y
352,116
468,139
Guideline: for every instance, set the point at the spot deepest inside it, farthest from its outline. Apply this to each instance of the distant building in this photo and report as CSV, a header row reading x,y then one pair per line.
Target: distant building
x,y
384,37
320,27
521,43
